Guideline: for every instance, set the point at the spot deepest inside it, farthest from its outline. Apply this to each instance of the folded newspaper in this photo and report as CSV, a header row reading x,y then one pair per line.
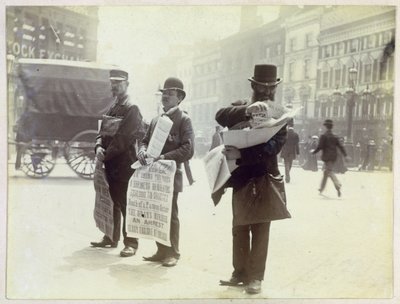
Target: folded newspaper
x,y
264,126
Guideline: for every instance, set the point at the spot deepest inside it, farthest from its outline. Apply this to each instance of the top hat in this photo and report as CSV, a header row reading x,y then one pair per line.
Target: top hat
x,y
328,122
118,75
265,74
173,83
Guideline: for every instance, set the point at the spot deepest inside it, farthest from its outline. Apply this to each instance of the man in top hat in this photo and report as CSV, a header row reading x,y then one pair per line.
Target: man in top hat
x,y
117,151
178,147
250,241
328,143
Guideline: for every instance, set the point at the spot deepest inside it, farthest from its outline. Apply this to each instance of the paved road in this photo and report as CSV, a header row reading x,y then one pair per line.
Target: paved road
x,y
331,248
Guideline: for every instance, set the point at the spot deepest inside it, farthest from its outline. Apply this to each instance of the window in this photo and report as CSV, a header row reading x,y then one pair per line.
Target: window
x,y
367,72
354,46
308,40
291,71
340,48
371,41
292,44
383,67
325,79
328,50
278,49
387,36
307,69
337,76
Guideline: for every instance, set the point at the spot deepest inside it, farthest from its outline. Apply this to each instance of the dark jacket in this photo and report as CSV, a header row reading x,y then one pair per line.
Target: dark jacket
x,y
291,147
120,152
256,160
179,145
328,143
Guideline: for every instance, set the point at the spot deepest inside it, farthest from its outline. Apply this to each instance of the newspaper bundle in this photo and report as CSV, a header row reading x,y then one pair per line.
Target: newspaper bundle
x,y
149,201
264,126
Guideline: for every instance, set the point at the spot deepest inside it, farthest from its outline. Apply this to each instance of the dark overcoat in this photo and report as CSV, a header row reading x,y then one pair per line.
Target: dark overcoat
x,y
254,161
291,148
120,151
329,144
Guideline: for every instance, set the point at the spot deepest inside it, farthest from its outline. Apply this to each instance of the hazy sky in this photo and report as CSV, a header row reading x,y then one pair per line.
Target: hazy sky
x,y
142,34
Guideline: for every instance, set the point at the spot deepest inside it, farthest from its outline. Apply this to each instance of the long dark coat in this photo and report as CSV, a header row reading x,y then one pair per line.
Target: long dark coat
x,y
255,161
120,152
291,148
179,145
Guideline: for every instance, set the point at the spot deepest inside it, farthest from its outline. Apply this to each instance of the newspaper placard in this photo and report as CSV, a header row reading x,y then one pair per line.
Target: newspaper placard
x,y
103,207
157,140
217,168
149,201
159,136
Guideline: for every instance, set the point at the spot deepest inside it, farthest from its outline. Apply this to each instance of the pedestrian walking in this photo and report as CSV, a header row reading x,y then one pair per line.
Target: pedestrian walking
x,y
251,223
311,159
328,143
178,147
289,151
117,151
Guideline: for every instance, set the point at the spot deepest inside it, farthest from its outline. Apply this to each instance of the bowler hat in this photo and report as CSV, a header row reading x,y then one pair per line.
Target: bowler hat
x,y
328,122
118,75
173,83
265,74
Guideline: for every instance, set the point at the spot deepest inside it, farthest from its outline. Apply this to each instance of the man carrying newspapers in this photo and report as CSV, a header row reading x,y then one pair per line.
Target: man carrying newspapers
x,y
178,147
121,128
255,178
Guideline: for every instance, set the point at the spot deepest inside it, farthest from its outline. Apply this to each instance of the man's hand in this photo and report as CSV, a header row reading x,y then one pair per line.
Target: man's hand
x,y
231,152
257,107
100,153
141,156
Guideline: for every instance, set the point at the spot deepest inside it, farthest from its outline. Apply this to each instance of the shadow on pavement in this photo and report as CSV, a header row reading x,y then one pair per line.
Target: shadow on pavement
x,y
91,258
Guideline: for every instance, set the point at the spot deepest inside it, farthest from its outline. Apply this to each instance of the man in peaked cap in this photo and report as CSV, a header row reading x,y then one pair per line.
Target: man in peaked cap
x,y
178,147
251,236
328,143
117,151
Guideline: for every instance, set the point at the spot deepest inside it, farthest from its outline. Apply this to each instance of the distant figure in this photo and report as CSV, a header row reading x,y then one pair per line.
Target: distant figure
x,y
289,151
329,143
217,138
311,161
339,166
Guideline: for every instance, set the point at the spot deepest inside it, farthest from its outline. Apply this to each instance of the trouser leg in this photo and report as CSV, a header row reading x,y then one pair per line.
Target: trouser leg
x,y
240,250
288,165
324,179
118,192
174,232
332,175
259,250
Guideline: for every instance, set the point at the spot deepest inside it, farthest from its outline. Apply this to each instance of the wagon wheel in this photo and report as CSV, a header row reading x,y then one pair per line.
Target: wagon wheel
x,y
79,153
37,160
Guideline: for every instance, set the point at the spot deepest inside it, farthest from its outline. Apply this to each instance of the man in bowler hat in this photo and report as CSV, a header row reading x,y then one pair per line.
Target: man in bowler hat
x,y
329,143
250,241
118,154
178,147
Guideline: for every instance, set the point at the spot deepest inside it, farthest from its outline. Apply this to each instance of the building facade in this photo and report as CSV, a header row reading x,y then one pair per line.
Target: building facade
x,y
355,39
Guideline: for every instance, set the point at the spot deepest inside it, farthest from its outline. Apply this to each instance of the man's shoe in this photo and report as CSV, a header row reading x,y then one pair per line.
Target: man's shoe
x,y
339,194
127,251
104,243
157,257
170,262
253,287
233,281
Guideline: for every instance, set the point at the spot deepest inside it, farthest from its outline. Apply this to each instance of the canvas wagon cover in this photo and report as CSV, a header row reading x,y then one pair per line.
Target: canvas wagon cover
x,y
65,87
